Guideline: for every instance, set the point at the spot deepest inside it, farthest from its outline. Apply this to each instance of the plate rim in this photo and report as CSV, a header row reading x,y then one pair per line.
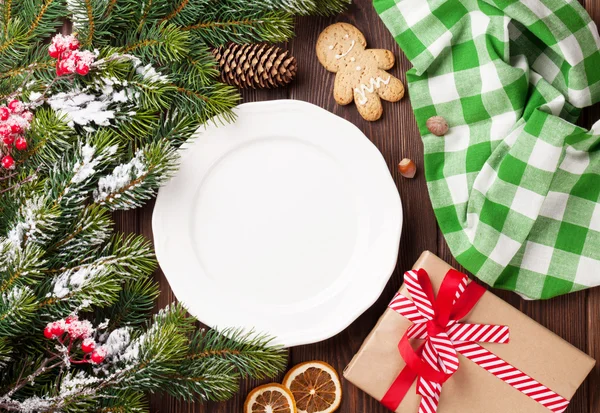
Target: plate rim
x,y
384,270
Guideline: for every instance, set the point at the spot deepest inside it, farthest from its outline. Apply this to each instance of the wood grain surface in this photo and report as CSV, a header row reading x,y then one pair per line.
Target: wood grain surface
x,y
574,317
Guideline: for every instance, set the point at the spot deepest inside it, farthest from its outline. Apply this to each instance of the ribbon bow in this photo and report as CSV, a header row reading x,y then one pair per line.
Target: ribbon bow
x,y
436,360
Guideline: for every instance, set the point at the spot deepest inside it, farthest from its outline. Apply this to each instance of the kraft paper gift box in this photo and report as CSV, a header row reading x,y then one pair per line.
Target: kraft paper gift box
x,y
533,349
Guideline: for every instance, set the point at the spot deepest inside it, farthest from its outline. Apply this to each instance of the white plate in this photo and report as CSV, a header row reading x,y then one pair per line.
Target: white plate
x,y
286,221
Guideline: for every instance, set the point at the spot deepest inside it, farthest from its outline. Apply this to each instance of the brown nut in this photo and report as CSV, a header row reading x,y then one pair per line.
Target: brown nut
x,y
437,125
407,168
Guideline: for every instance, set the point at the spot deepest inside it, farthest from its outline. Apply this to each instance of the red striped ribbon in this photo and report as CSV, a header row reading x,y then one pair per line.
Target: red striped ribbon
x,y
435,320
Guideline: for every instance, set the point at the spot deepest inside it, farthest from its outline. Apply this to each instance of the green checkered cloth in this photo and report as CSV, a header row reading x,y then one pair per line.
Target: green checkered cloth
x,y
514,184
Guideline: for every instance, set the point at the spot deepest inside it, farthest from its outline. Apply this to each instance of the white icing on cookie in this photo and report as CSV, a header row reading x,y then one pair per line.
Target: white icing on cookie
x,y
330,47
339,56
352,59
346,36
373,84
358,67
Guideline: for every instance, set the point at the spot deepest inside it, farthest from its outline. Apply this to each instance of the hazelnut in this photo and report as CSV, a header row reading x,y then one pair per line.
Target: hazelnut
x,y
407,168
437,125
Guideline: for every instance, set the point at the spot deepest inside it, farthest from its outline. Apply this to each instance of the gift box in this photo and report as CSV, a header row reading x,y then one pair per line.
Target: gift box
x,y
506,362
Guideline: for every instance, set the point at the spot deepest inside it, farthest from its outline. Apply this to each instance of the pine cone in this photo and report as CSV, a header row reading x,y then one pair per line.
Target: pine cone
x,y
255,65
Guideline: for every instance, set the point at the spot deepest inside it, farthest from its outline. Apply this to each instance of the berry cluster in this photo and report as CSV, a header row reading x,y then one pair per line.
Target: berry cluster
x,y
69,59
14,121
69,331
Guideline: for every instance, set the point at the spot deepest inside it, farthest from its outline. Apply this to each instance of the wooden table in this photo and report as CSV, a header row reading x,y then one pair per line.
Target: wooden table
x,y
574,317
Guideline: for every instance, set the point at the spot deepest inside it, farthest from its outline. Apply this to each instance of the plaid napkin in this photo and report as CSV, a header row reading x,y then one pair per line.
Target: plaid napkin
x,y
515,186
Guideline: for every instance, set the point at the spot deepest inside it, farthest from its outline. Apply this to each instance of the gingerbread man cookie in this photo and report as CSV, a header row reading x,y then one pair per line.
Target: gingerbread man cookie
x,y
360,73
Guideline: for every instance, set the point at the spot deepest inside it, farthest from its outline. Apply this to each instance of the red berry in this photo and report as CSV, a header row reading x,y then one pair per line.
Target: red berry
x,y
83,69
8,139
53,52
57,329
8,162
74,44
59,71
64,67
27,115
70,319
98,355
66,54
48,332
15,106
5,130
88,345
16,128
21,143
4,113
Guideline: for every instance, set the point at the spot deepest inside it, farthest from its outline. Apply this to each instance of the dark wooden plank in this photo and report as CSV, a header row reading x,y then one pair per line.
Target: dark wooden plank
x,y
593,348
127,221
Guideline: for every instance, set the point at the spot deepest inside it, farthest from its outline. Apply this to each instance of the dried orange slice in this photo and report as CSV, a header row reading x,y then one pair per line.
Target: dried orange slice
x,y
270,398
316,387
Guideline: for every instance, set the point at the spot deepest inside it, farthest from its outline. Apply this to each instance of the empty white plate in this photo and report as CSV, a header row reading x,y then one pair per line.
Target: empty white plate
x,y
286,221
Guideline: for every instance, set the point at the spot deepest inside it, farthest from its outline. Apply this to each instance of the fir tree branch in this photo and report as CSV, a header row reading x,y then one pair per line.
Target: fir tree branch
x,y
34,222
90,22
301,7
110,7
19,267
31,68
17,308
158,42
141,44
44,366
39,17
136,181
175,11
18,184
84,15
133,307
70,183
146,7
7,5
270,27
252,354
91,229
175,128
215,102
124,402
128,256
94,285
7,45
50,137
216,381
155,81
